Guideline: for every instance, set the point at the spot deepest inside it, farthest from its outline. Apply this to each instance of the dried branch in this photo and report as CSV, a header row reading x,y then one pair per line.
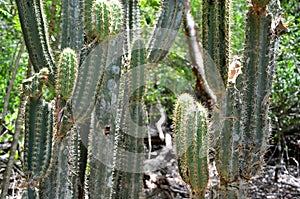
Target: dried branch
x,y
14,145
10,85
196,54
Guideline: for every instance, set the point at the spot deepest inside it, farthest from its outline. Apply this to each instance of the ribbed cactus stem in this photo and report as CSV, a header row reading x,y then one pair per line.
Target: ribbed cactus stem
x,y
166,30
215,33
257,77
67,73
38,137
130,130
89,81
227,156
106,18
103,127
190,128
72,17
36,35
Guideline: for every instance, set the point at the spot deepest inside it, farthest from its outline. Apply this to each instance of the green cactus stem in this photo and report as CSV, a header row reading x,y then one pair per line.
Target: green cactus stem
x,y
246,123
102,133
38,137
215,33
165,31
72,17
256,90
67,73
34,28
107,18
190,128
130,130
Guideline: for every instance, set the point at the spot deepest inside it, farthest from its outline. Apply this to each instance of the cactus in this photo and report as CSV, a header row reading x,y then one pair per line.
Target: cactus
x,y
107,95
67,73
35,34
103,18
190,128
239,120
38,138
127,178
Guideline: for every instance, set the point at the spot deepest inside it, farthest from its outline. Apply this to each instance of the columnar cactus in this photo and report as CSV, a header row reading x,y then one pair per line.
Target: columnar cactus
x,y
239,118
86,86
107,95
190,128
67,73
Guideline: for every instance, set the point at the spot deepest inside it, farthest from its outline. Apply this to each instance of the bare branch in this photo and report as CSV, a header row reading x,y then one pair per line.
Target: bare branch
x,y
196,53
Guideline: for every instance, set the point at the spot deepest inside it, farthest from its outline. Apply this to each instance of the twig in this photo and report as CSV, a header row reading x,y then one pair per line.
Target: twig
x,y
160,121
13,148
195,52
10,85
149,144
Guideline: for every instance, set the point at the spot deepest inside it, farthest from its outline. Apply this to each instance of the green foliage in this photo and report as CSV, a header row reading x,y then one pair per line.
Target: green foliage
x,y
285,97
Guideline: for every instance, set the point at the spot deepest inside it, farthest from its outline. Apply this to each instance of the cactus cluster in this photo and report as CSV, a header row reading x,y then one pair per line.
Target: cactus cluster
x,y
98,107
239,123
98,97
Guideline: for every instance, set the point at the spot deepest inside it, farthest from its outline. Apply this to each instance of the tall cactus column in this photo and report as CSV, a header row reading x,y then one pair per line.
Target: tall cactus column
x,y
246,126
190,128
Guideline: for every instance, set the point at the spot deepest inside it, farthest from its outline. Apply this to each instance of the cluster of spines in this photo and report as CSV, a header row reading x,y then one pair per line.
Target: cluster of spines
x,y
67,73
38,137
190,128
33,86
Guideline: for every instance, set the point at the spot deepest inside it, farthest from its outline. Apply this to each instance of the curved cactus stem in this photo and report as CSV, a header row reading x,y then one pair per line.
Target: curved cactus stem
x,y
166,30
34,29
190,128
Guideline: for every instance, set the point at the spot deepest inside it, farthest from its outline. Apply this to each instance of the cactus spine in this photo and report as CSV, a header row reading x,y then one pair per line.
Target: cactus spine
x,y
190,128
